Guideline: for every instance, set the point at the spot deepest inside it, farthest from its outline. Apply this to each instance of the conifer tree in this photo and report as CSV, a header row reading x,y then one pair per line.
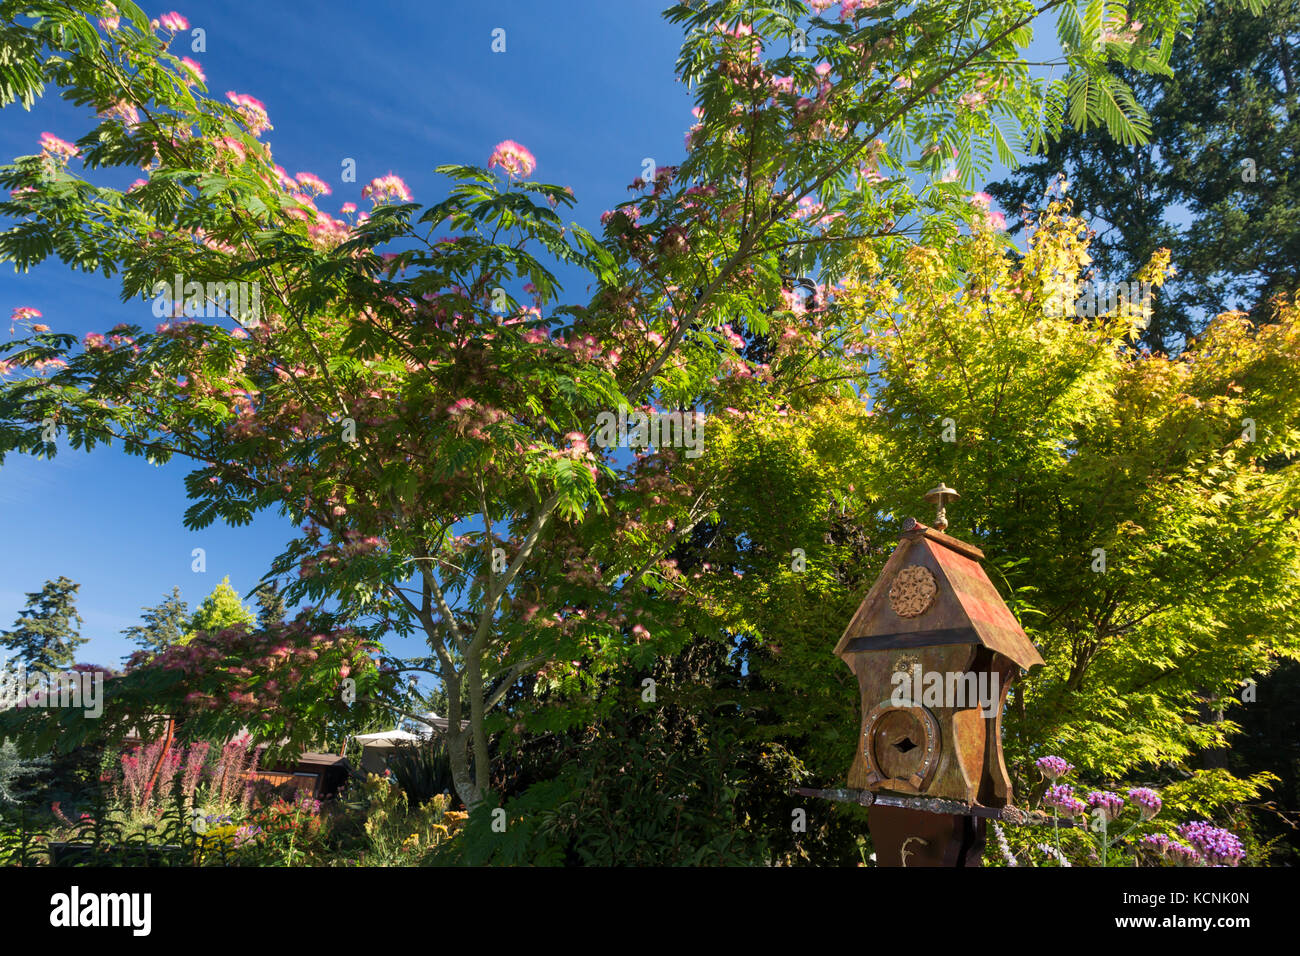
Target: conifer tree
x,y
271,608
220,609
47,633
1214,182
164,624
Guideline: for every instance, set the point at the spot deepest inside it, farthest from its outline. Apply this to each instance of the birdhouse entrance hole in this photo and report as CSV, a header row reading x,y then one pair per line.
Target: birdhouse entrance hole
x,y
901,746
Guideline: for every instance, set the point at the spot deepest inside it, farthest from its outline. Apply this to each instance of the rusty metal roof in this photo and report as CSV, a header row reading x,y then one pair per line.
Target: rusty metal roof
x,y
966,610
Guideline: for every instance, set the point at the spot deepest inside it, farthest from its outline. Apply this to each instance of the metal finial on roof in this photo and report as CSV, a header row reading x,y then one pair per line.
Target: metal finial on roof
x,y
940,496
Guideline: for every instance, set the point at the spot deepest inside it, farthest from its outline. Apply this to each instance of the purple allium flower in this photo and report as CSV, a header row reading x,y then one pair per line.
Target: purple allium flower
x,y
1217,846
1148,801
1107,804
1053,767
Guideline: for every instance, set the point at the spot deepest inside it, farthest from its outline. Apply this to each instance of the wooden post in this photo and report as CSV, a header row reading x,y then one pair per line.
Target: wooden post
x,y
917,838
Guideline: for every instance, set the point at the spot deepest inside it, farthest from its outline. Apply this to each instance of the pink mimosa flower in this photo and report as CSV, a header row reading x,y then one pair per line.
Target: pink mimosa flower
x,y
194,68
57,148
313,184
123,111
387,187
252,110
516,160
460,406
228,144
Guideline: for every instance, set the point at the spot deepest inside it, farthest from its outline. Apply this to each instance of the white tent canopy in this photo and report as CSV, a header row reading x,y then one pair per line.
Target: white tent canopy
x,y
386,738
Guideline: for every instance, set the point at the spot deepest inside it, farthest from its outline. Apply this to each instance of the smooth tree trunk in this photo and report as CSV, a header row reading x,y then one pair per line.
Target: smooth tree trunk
x,y
458,739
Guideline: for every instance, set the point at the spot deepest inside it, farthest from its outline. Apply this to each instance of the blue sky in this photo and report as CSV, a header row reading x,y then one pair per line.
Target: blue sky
x,y
587,85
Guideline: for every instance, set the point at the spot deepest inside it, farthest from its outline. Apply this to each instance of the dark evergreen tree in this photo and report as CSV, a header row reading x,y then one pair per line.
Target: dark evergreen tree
x,y
164,624
47,633
1215,183
271,608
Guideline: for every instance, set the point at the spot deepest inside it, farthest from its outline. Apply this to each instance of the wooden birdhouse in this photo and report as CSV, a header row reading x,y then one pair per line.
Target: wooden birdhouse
x,y
935,650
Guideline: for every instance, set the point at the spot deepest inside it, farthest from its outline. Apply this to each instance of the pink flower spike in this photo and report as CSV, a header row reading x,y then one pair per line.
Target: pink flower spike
x,y
174,22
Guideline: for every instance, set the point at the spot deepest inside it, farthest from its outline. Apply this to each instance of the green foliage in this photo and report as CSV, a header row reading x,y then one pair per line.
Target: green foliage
x,y
282,686
423,771
47,633
164,625
220,609
657,766
379,824
271,608
1270,738
13,768
1224,134
630,802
